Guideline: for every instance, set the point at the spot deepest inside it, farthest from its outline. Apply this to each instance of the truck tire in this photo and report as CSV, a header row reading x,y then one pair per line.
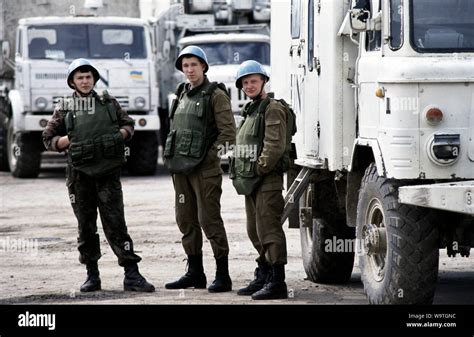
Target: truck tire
x,y
323,261
4,167
24,153
399,248
143,156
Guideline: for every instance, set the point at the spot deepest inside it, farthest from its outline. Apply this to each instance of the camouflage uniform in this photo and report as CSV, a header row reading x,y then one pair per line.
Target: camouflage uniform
x,y
87,194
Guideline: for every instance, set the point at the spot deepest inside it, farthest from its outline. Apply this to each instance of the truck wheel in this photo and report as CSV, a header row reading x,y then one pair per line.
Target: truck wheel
x,y
4,149
327,244
24,154
399,248
143,156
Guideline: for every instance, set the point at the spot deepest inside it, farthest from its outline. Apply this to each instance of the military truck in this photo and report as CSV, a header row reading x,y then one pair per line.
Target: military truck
x,y
383,95
230,32
36,52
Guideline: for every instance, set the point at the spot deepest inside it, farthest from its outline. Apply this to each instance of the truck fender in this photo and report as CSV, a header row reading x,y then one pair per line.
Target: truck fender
x,y
16,103
364,152
373,145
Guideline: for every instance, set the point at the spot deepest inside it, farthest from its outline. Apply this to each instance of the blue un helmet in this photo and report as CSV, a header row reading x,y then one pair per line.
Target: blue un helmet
x,y
192,51
249,67
84,65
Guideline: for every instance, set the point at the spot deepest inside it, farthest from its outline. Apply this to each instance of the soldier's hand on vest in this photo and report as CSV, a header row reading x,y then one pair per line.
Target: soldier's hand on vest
x,y
63,143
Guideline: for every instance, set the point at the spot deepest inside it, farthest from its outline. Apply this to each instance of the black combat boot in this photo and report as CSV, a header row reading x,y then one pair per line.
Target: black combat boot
x,y
93,280
275,288
262,273
222,282
134,281
194,277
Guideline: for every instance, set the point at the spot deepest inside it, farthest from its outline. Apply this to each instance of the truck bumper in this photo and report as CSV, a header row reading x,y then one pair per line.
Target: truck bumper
x,y
34,123
146,122
142,122
455,197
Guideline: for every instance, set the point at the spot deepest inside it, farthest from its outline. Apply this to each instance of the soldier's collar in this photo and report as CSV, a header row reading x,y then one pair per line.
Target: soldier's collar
x,y
194,91
93,93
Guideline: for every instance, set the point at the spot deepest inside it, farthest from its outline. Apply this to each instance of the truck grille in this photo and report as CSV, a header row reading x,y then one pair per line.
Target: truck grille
x,y
123,100
50,76
238,98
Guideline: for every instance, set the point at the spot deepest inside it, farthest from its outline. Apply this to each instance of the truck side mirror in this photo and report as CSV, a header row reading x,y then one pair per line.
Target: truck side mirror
x,y
5,50
166,49
359,18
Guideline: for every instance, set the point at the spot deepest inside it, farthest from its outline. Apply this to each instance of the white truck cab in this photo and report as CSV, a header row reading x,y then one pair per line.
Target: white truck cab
x,y
120,48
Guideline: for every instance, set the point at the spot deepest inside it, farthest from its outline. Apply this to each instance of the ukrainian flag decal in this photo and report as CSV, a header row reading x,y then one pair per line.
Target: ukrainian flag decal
x,y
137,75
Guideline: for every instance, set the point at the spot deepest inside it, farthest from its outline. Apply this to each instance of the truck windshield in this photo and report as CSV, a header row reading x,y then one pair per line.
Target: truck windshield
x,y
236,52
442,26
68,41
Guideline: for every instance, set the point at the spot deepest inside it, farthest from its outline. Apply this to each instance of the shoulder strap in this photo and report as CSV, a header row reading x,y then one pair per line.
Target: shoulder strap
x,y
174,105
180,89
111,109
106,96
210,90
263,106
214,85
245,109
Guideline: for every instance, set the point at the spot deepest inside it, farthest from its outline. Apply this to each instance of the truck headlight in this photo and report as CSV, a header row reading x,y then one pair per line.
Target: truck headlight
x,y
41,103
140,102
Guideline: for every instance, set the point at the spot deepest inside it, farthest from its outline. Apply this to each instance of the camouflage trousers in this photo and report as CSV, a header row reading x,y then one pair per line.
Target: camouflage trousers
x,y
264,208
198,197
87,194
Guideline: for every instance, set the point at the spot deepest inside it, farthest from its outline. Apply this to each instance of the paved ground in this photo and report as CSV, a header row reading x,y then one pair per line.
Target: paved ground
x,y
39,260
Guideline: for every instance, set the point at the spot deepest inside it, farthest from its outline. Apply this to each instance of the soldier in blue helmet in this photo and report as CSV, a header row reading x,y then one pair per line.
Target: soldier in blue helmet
x,y
201,123
261,157
92,129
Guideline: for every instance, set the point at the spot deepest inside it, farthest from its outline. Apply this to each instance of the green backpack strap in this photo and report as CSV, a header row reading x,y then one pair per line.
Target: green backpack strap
x,y
66,109
214,85
174,105
245,109
263,106
210,90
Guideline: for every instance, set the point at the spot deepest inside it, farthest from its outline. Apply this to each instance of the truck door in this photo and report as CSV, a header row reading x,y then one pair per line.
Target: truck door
x,y
370,51
304,75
